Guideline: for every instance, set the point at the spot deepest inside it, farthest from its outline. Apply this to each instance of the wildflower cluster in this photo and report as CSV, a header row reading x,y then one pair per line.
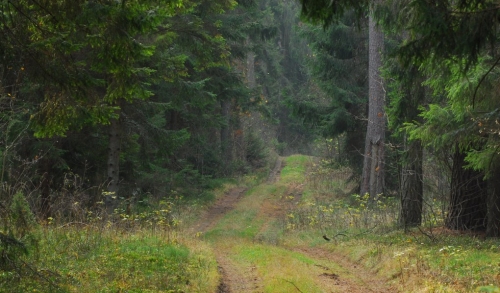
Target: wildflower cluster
x,y
161,216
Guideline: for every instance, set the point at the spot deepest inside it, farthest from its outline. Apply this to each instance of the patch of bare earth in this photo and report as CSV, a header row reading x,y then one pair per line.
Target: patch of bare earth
x,y
272,209
352,277
235,278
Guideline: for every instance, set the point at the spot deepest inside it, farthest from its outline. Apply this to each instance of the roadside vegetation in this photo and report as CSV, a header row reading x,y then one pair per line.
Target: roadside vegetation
x,y
430,258
140,252
156,250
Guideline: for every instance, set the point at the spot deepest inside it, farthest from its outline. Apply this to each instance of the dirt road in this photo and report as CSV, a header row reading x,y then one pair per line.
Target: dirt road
x,y
249,220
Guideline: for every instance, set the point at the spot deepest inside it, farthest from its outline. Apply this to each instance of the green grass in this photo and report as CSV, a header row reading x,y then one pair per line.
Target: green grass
x,y
149,253
280,269
264,254
294,170
144,251
249,237
237,223
88,260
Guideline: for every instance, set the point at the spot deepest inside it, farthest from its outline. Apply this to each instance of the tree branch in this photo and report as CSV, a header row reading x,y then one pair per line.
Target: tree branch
x,y
482,79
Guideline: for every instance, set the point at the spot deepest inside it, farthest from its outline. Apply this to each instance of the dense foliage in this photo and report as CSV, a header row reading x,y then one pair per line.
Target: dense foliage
x,y
440,84
118,100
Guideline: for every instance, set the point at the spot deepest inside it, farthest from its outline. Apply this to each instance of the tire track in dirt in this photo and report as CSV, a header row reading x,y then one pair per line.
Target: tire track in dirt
x,y
276,210
268,210
224,204
351,277
234,278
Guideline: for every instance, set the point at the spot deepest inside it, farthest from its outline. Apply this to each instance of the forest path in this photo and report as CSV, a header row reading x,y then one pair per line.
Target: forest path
x,y
244,228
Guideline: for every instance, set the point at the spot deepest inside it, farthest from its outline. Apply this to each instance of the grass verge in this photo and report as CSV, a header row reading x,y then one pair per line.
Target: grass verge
x,y
76,259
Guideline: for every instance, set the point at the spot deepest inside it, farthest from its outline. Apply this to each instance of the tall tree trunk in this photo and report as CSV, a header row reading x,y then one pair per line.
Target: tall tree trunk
x,y
239,122
493,201
468,192
225,135
45,200
174,120
373,164
250,74
113,164
411,186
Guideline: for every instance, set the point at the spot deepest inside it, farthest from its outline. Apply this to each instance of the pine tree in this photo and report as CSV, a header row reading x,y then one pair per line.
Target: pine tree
x,y
372,181
334,101
373,178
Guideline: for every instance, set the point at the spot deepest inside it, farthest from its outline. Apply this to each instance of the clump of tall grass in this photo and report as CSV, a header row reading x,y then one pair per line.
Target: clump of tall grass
x,y
354,212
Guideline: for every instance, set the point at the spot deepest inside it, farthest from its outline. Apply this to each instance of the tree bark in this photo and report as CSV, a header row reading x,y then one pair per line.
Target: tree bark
x,y
225,135
250,74
493,201
411,186
240,122
45,190
373,164
113,167
468,193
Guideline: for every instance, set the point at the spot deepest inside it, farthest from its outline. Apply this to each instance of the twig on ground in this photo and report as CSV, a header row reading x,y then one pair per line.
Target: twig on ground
x,y
293,285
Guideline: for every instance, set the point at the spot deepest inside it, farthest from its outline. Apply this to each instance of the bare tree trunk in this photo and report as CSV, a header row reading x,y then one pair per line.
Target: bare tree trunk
x,y
373,165
225,136
240,123
113,164
412,186
45,204
250,74
468,192
493,203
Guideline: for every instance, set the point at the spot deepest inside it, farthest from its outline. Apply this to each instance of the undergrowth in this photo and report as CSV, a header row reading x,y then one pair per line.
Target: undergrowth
x,y
140,248
426,259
